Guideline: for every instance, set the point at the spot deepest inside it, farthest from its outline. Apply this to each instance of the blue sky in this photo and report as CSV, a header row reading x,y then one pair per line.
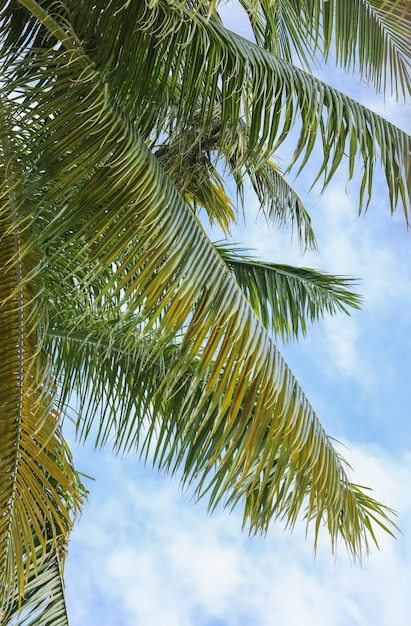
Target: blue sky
x,y
144,554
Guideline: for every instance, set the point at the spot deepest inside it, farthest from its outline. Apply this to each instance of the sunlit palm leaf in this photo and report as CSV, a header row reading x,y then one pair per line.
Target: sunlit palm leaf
x,y
128,421
228,405
44,601
37,487
276,96
286,297
106,346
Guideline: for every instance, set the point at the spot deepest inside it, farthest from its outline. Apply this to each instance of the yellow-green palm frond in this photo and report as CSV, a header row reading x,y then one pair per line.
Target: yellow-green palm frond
x,y
38,495
147,318
227,410
197,179
37,491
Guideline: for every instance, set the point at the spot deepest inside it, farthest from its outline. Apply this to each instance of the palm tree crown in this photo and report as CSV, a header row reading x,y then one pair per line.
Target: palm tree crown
x,y
121,123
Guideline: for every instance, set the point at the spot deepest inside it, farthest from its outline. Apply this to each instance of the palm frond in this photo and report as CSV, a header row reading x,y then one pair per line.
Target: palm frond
x,y
197,179
229,409
44,602
280,28
138,415
277,97
226,411
37,489
285,298
373,36
280,204
185,57
193,168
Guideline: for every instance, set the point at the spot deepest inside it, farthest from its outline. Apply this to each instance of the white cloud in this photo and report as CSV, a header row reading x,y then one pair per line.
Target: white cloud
x,y
158,559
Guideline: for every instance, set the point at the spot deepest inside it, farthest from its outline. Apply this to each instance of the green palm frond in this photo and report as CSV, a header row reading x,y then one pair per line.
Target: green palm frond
x,y
281,28
280,204
113,278
375,34
37,487
44,602
105,348
137,415
227,390
194,172
276,98
286,297
197,179
185,55
372,36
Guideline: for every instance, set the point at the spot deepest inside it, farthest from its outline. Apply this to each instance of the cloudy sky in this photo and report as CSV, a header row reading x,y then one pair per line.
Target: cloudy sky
x,y
143,554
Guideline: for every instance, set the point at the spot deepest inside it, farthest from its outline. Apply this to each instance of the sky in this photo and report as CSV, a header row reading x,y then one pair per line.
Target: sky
x,y
144,554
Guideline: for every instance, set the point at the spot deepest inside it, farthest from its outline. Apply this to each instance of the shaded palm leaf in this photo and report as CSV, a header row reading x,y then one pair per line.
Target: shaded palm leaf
x,y
280,204
194,173
183,54
372,36
196,178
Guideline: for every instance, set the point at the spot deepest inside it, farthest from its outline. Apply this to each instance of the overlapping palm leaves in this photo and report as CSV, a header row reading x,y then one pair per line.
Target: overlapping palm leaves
x,y
114,122
373,36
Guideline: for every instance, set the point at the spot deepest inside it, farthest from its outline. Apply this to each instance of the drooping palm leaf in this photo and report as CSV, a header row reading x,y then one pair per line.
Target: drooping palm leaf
x,y
181,52
280,204
157,325
195,174
37,486
286,297
44,602
372,35
36,480
281,28
275,96
106,346
113,358
229,408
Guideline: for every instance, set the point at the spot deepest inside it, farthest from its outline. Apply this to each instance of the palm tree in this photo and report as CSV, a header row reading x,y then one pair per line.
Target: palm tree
x,y
121,123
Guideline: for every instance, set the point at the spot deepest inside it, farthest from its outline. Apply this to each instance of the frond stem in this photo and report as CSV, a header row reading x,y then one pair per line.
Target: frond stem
x,y
45,18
